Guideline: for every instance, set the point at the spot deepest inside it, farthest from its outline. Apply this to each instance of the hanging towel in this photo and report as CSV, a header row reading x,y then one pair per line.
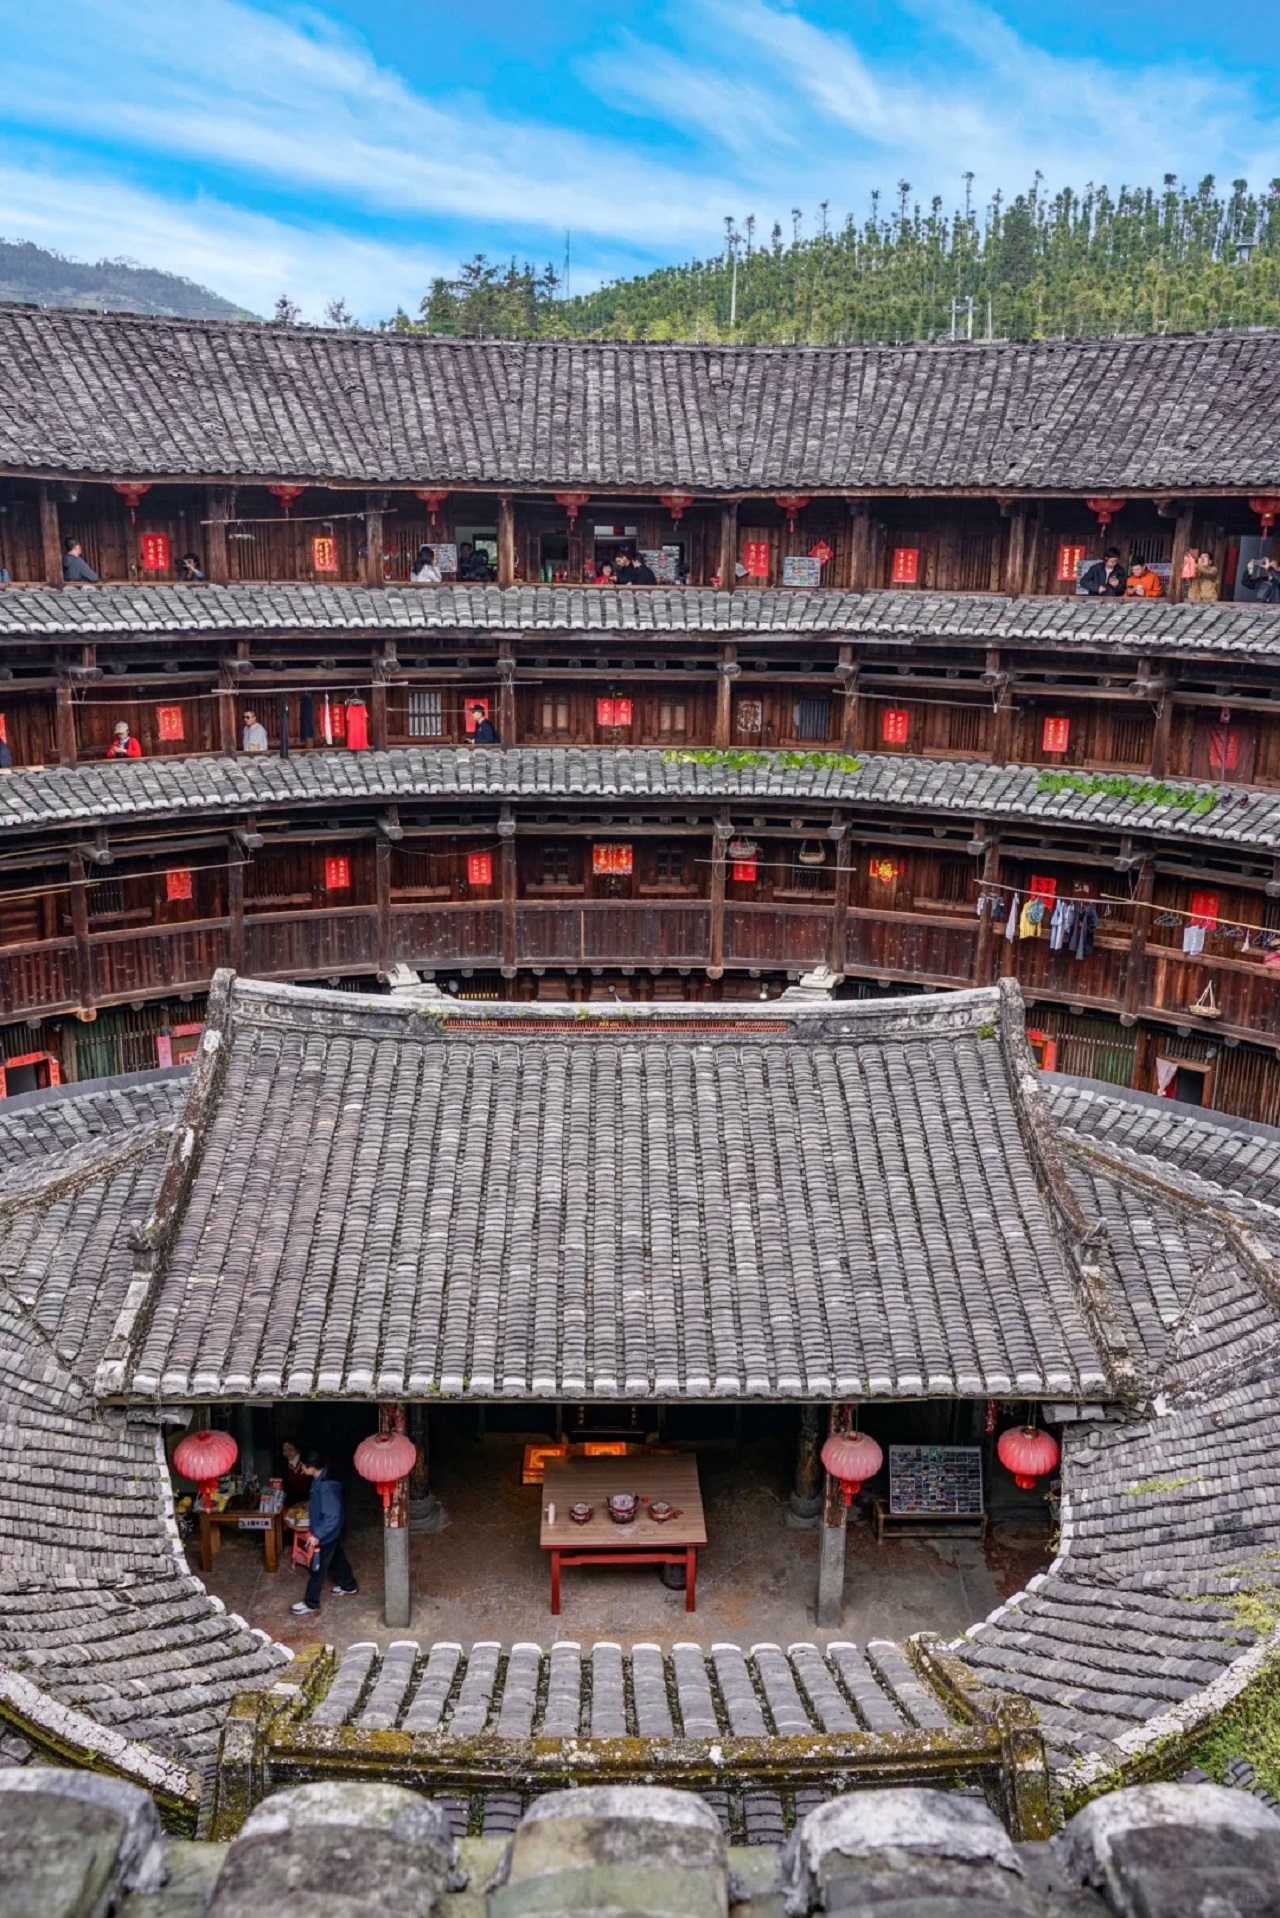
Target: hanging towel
x,y
1031,919
1085,927
1166,1073
307,719
1059,926
1193,939
1011,925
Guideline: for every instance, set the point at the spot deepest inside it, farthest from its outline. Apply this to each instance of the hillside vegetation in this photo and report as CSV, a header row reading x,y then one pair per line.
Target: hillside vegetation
x,y
31,273
1071,264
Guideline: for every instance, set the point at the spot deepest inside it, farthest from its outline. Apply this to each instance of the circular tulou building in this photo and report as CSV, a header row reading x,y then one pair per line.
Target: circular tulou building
x,y
762,944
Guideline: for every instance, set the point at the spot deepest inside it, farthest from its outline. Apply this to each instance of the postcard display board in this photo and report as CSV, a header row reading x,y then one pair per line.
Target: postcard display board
x,y
944,1481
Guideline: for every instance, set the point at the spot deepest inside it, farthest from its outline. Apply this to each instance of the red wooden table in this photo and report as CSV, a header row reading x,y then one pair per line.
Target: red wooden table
x,y
643,1542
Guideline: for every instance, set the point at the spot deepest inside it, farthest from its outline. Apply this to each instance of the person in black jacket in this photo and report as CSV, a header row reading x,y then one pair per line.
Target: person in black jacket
x,y
483,730
325,1520
1262,581
1105,579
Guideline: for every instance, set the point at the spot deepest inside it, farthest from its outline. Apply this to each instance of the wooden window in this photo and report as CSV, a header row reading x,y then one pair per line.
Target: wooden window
x,y
169,722
1070,560
1056,735
426,715
893,728
479,868
905,570
811,718
555,866
154,550
964,729
105,898
555,713
668,866
974,562
177,884
337,873
1131,739
423,871
672,723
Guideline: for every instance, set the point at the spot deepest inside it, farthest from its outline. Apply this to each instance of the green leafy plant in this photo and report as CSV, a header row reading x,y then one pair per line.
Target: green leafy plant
x,y
747,759
1142,792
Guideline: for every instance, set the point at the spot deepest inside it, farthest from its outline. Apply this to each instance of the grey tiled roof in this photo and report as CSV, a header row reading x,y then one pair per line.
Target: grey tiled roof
x,y
173,788
33,1131
1244,1159
118,395
830,1202
1130,626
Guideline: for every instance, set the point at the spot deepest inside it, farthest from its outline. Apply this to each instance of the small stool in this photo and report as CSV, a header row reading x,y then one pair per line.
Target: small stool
x,y
303,1551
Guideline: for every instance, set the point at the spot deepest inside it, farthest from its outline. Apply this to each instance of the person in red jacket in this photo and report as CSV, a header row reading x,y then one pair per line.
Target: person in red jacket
x,y
124,745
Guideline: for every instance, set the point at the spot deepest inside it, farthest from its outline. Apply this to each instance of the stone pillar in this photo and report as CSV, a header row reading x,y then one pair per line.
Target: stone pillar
x,y
426,1513
829,1605
804,1502
397,1592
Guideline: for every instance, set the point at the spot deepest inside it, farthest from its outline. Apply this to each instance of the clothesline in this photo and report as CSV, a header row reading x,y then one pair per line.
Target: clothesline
x,y
1115,899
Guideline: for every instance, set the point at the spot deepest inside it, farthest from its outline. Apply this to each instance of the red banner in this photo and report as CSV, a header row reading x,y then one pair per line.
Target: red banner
x,y
613,712
744,869
906,565
1042,887
1070,559
324,553
894,729
755,557
1204,909
615,860
479,868
177,884
1055,735
885,870
337,873
169,722
155,552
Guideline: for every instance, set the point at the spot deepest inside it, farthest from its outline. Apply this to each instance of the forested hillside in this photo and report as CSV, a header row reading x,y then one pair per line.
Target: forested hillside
x,y
29,272
1038,266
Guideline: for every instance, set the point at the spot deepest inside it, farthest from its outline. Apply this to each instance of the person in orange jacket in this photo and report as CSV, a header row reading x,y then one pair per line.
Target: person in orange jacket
x,y
1142,582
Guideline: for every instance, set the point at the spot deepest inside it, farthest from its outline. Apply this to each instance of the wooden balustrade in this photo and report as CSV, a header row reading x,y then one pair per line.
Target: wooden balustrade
x,y
447,934
603,931
38,978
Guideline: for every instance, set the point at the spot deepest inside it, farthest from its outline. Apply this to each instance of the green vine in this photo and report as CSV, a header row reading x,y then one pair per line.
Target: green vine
x,y
1125,786
746,759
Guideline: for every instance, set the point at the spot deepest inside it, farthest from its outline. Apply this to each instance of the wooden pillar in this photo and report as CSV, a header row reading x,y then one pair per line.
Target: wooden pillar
x,y
719,869
1031,550
378,707
847,672
236,863
840,904
1181,542
728,545
1015,557
227,741
990,925
829,1604
1135,962
859,548
373,545
506,693
1164,720
506,541
50,536
217,551
804,1501
507,841
80,932
726,672
397,1594
1144,1060
65,724
382,895
1002,731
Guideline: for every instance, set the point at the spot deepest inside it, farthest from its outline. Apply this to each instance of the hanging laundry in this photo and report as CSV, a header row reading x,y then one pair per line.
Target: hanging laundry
x,y
1031,918
307,719
1193,939
357,726
1166,1074
1011,925
1060,925
1085,927
326,721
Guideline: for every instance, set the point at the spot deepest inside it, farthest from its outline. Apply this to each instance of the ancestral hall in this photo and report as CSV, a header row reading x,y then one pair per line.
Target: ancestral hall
x,y
868,559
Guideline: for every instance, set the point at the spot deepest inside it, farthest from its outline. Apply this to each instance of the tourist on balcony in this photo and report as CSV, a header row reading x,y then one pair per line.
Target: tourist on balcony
x,y
425,571
483,730
640,573
254,739
606,576
473,564
1105,578
1262,580
1205,581
1143,583
6,577
75,567
189,569
6,756
123,745
325,1520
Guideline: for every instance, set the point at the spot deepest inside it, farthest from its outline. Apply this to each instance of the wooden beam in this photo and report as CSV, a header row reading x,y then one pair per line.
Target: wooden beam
x,y
378,705
382,897
1164,718
506,540
507,844
64,720
50,536
506,692
1015,557
728,545
719,870
839,836
374,551
849,705
217,550
1181,542
236,863
988,923
1135,959
859,549
80,931
1002,732
727,671
228,745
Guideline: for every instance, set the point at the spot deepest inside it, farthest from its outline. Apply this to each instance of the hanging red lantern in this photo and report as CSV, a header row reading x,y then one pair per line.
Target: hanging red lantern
x,y
432,501
203,1457
572,503
1267,508
384,1458
286,496
675,503
852,1458
1106,509
792,504
131,491
1028,1453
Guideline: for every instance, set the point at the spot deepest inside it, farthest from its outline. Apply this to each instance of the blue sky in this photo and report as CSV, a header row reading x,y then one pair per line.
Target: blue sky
x,y
356,147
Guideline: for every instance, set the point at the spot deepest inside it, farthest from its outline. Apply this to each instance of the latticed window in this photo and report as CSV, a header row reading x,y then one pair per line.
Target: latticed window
x,y
426,715
555,866
105,897
812,718
964,729
668,866
671,717
555,712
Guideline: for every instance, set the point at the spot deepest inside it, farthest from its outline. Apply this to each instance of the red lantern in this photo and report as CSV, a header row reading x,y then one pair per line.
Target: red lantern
x,y
852,1457
792,504
1106,509
384,1458
131,492
1028,1454
203,1457
572,503
432,501
675,503
1267,508
286,495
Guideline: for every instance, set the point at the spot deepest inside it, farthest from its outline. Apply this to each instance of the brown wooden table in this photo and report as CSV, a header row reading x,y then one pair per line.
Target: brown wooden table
x,y
214,1524
644,1541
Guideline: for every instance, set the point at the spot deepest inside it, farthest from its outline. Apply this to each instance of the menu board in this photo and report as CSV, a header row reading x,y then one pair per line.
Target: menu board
x,y
664,562
942,1479
801,569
